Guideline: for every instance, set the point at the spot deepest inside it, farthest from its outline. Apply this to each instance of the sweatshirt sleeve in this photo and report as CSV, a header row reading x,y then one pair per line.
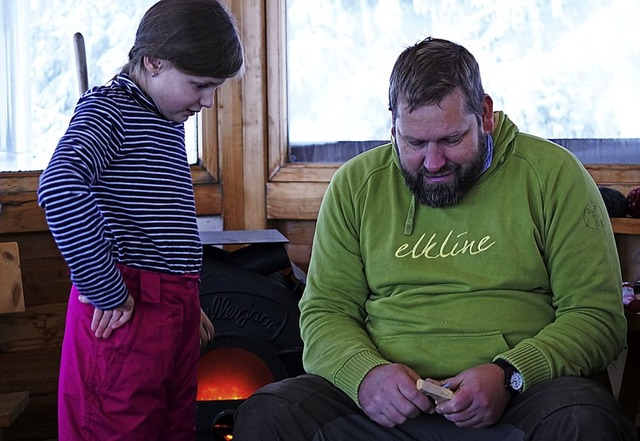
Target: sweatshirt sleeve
x,y
90,142
336,345
584,272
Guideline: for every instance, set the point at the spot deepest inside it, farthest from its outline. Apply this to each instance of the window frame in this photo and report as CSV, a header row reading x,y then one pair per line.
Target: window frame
x,y
295,190
244,174
20,213
22,136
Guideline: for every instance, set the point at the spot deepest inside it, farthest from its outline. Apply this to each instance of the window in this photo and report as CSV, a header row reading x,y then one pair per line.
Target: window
x,y
38,81
562,69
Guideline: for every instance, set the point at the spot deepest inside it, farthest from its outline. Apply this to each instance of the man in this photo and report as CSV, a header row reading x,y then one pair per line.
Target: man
x,y
465,253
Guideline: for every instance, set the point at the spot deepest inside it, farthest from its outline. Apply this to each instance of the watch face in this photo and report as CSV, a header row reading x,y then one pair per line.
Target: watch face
x,y
516,381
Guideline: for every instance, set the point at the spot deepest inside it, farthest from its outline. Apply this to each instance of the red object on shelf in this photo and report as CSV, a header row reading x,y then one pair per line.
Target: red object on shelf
x,y
633,306
634,202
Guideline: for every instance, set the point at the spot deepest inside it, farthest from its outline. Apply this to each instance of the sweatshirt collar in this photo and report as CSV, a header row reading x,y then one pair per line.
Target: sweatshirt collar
x,y
126,83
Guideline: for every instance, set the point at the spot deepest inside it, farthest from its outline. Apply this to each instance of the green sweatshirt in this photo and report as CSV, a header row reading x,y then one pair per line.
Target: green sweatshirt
x,y
523,268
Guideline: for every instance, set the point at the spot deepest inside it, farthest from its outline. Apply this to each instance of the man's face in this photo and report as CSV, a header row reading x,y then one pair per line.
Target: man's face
x,y
442,148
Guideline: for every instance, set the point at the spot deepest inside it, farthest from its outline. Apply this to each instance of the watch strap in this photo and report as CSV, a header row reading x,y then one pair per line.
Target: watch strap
x,y
511,377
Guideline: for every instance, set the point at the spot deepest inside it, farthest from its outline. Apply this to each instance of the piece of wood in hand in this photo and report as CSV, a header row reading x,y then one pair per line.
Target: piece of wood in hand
x,y
438,393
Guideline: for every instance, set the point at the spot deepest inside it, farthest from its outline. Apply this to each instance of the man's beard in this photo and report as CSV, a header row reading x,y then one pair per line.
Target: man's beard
x,y
445,194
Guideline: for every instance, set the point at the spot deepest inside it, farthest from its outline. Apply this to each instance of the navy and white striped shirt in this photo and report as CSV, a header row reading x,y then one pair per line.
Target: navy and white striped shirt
x,y
118,189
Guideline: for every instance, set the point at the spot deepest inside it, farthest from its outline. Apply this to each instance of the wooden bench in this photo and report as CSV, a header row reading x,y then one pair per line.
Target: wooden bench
x,y
11,405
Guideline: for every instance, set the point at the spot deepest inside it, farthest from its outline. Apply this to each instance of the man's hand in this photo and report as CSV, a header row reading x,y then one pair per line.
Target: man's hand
x,y
206,329
105,322
389,396
480,397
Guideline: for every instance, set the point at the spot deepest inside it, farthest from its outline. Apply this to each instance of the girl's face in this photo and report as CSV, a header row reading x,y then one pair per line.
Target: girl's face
x,y
178,95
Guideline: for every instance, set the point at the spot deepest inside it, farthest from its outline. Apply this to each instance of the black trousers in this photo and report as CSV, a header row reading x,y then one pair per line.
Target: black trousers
x,y
310,408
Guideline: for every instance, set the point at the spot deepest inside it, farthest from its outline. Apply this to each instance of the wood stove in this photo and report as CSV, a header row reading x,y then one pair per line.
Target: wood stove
x,y
251,295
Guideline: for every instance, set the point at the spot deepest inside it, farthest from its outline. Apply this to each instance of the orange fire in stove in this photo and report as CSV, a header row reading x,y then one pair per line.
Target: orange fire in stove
x,y
230,373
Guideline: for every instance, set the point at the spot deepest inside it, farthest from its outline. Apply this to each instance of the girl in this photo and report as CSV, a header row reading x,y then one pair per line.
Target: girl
x,y
119,202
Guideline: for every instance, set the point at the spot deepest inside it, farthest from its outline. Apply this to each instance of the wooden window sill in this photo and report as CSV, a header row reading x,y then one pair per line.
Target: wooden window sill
x,y
625,225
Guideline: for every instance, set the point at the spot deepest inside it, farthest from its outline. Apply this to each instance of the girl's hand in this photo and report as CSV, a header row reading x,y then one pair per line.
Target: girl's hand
x,y
206,329
105,322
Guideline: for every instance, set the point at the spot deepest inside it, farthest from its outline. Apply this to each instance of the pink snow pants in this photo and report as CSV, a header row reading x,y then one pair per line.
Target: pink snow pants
x,y
140,383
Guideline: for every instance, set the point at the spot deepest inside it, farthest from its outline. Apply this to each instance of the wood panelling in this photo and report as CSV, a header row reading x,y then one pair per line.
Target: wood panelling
x,y
628,242
36,371
300,235
19,207
210,154
623,178
30,341
11,292
244,177
629,252
276,87
39,327
626,225
242,128
11,405
296,191
305,173
16,183
44,273
20,212
208,199
294,200
36,423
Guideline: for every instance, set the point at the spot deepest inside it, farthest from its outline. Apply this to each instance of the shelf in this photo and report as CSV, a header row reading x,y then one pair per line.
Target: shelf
x,y
11,405
625,225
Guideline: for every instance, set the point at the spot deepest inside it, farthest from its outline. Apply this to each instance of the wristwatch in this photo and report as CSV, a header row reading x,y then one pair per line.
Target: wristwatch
x,y
512,378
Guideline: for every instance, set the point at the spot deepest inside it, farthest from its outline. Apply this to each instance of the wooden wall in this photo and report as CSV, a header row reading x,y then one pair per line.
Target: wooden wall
x,y
244,177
